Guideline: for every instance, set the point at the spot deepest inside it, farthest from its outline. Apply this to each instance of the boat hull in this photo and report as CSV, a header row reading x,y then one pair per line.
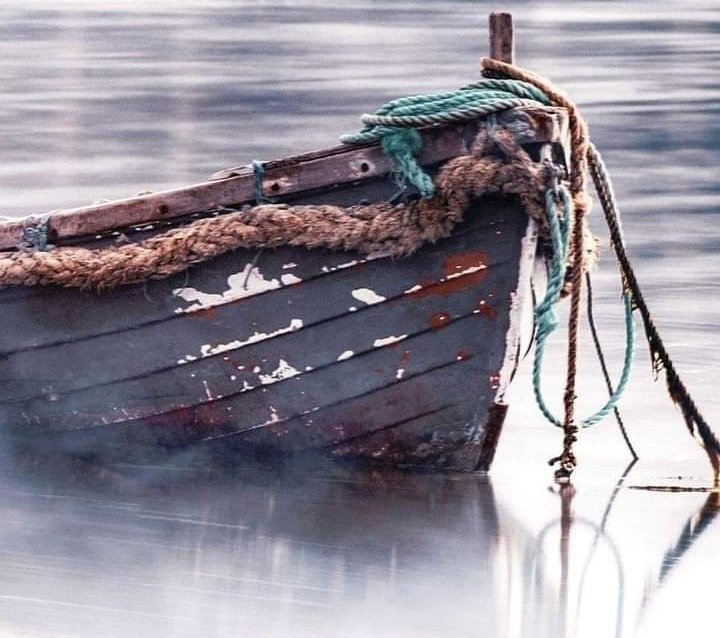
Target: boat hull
x,y
281,352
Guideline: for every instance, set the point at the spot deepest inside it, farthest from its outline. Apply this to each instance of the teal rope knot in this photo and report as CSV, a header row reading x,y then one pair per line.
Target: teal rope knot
x,y
405,114
403,145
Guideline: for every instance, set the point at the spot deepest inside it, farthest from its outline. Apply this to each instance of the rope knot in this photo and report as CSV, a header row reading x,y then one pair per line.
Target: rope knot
x,y
402,146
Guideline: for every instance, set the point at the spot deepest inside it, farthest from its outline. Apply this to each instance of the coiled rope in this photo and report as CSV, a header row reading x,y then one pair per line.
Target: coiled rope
x,y
394,123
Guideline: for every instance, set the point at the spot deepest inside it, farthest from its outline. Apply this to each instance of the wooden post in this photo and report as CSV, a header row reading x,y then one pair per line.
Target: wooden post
x,y
501,37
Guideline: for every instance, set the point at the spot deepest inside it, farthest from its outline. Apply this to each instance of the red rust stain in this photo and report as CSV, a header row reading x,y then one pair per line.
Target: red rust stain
x,y
484,310
462,355
461,272
405,359
439,320
207,313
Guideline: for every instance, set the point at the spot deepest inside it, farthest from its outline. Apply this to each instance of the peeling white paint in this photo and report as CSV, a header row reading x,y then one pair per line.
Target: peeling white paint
x,y
207,350
289,279
283,371
415,288
367,296
347,264
399,374
289,265
208,394
345,355
467,271
352,308
274,418
518,306
246,283
378,343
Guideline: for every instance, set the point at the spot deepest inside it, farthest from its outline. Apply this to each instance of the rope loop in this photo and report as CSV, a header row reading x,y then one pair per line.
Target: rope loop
x,y
35,234
395,123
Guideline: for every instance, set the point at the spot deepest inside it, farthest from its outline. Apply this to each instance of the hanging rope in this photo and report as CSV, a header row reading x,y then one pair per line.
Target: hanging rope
x,y
546,318
660,358
585,156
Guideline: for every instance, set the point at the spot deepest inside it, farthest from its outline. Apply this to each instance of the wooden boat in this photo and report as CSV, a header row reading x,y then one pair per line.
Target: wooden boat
x,y
288,350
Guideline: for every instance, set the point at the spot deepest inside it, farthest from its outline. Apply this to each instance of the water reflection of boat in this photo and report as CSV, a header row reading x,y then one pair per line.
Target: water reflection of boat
x,y
397,361
108,551
572,577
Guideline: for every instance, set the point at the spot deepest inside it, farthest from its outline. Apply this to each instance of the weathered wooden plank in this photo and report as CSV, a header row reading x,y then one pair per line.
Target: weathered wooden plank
x,y
283,178
363,290
501,37
231,347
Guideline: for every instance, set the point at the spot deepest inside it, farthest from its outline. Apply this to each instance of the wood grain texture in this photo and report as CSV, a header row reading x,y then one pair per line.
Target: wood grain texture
x,y
501,37
284,179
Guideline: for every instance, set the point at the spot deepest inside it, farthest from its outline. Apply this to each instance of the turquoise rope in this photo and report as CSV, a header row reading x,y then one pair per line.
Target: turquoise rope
x,y
259,174
546,318
395,123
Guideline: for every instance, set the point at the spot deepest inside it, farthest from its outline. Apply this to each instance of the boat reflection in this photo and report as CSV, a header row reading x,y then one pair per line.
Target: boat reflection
x,y
181,550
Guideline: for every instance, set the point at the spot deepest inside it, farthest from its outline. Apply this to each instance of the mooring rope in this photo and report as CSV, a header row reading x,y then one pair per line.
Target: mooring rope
x,y
696,423
585,156
546,318
505,86
603,364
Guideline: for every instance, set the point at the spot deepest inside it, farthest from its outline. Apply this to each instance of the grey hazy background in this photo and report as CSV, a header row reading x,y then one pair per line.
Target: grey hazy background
x,y
105,99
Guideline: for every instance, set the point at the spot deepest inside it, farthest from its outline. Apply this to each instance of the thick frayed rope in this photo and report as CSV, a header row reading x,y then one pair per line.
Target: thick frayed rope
x,y
375,229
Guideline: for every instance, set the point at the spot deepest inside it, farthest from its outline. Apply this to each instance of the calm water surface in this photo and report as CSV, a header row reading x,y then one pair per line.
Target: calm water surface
x,y
105,99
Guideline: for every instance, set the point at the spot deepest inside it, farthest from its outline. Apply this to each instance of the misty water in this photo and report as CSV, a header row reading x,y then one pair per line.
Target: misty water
x,y
108,98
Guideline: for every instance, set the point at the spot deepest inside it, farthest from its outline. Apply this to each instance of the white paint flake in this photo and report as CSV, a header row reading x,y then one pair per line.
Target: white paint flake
x,y
415,288
367,296
207,350
379,343
399,374
347,264
246,283
289,265
208,394
283,371
289,279
345,355
467,271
